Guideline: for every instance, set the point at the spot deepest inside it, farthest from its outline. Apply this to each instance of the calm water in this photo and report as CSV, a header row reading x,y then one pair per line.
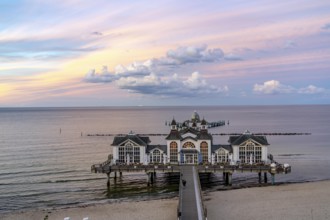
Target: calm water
x,y
46,156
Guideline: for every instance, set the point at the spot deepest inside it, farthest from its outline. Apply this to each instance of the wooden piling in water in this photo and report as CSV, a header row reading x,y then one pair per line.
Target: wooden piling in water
x,y
265,177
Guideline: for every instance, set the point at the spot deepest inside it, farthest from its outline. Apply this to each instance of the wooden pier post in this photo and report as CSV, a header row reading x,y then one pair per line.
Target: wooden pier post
x,y
121,174
108,181
115,175
150,178
265,177
230,179
273,178
259,175
226,179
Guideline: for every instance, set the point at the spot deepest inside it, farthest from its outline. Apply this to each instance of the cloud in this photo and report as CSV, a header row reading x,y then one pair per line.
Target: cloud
x,y
272,87
134,69
170,86
104,77
326,27
180,56
311,89
191,54
275,87
289,44
49,49
96,33
149,76
232,57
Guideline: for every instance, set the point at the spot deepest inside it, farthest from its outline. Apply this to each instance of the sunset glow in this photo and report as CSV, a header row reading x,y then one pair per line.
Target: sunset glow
x,y
109,53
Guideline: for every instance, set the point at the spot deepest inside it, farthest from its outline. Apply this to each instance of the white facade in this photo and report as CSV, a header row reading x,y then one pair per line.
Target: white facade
x,y
191,145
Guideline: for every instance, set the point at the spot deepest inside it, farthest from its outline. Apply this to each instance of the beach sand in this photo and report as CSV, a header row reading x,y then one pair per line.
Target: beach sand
x,y
288,202
142,210
292,201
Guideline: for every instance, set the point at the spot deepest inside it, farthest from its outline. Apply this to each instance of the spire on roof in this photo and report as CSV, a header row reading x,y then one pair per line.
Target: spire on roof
x,y
173,122
203,122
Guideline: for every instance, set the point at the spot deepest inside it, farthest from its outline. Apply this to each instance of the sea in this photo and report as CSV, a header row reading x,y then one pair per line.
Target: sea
x,y
46,153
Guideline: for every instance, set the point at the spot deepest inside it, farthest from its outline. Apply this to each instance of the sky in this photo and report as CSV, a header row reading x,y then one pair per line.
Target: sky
x,y
164,53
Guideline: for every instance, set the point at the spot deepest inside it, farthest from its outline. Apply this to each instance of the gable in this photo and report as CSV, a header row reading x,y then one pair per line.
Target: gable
x,y
151,151
248,141
188,134
242,139
187,139
221,148
217,147
135,140
128,141
162,148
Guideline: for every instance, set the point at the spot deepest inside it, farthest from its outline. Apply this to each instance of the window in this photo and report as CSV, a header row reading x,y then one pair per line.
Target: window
x,y
156,156
128,149
188,145
173,152
205,151
121,153
258,154
137,155
250,153
222,156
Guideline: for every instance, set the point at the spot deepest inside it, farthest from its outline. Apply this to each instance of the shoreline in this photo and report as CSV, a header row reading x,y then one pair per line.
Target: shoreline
x,y
308,200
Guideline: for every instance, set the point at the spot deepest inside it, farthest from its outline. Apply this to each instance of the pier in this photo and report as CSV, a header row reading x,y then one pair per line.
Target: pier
x,y
189,151
226,169
191,204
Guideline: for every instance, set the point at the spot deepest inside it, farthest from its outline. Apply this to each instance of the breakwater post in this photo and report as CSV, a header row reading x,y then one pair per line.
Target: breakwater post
x,y
265,177
108,182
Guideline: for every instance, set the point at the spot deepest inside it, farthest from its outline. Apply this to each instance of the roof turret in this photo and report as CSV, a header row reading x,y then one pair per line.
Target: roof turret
x,y
195,117
173,122
203,122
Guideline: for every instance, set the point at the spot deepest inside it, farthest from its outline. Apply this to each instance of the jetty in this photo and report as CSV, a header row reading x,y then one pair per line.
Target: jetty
x,y
191,204
190,151
226,169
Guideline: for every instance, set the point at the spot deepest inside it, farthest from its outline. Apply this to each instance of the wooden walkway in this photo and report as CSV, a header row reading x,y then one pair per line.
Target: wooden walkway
x,y
191,205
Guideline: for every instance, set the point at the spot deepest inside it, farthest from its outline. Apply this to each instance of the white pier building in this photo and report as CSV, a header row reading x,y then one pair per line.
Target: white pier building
x,y
191,144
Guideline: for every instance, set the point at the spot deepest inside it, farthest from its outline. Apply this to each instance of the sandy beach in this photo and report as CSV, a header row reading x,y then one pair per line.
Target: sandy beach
x,y
292,201
146,210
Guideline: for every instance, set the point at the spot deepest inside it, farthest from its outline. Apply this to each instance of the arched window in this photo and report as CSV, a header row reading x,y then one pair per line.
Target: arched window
x,y
188,145
205,151
156,156
222,156
173,152
250,153
128,149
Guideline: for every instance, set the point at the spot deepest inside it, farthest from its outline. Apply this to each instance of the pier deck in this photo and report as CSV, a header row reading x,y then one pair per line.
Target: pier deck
x,y
190,200
106,167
